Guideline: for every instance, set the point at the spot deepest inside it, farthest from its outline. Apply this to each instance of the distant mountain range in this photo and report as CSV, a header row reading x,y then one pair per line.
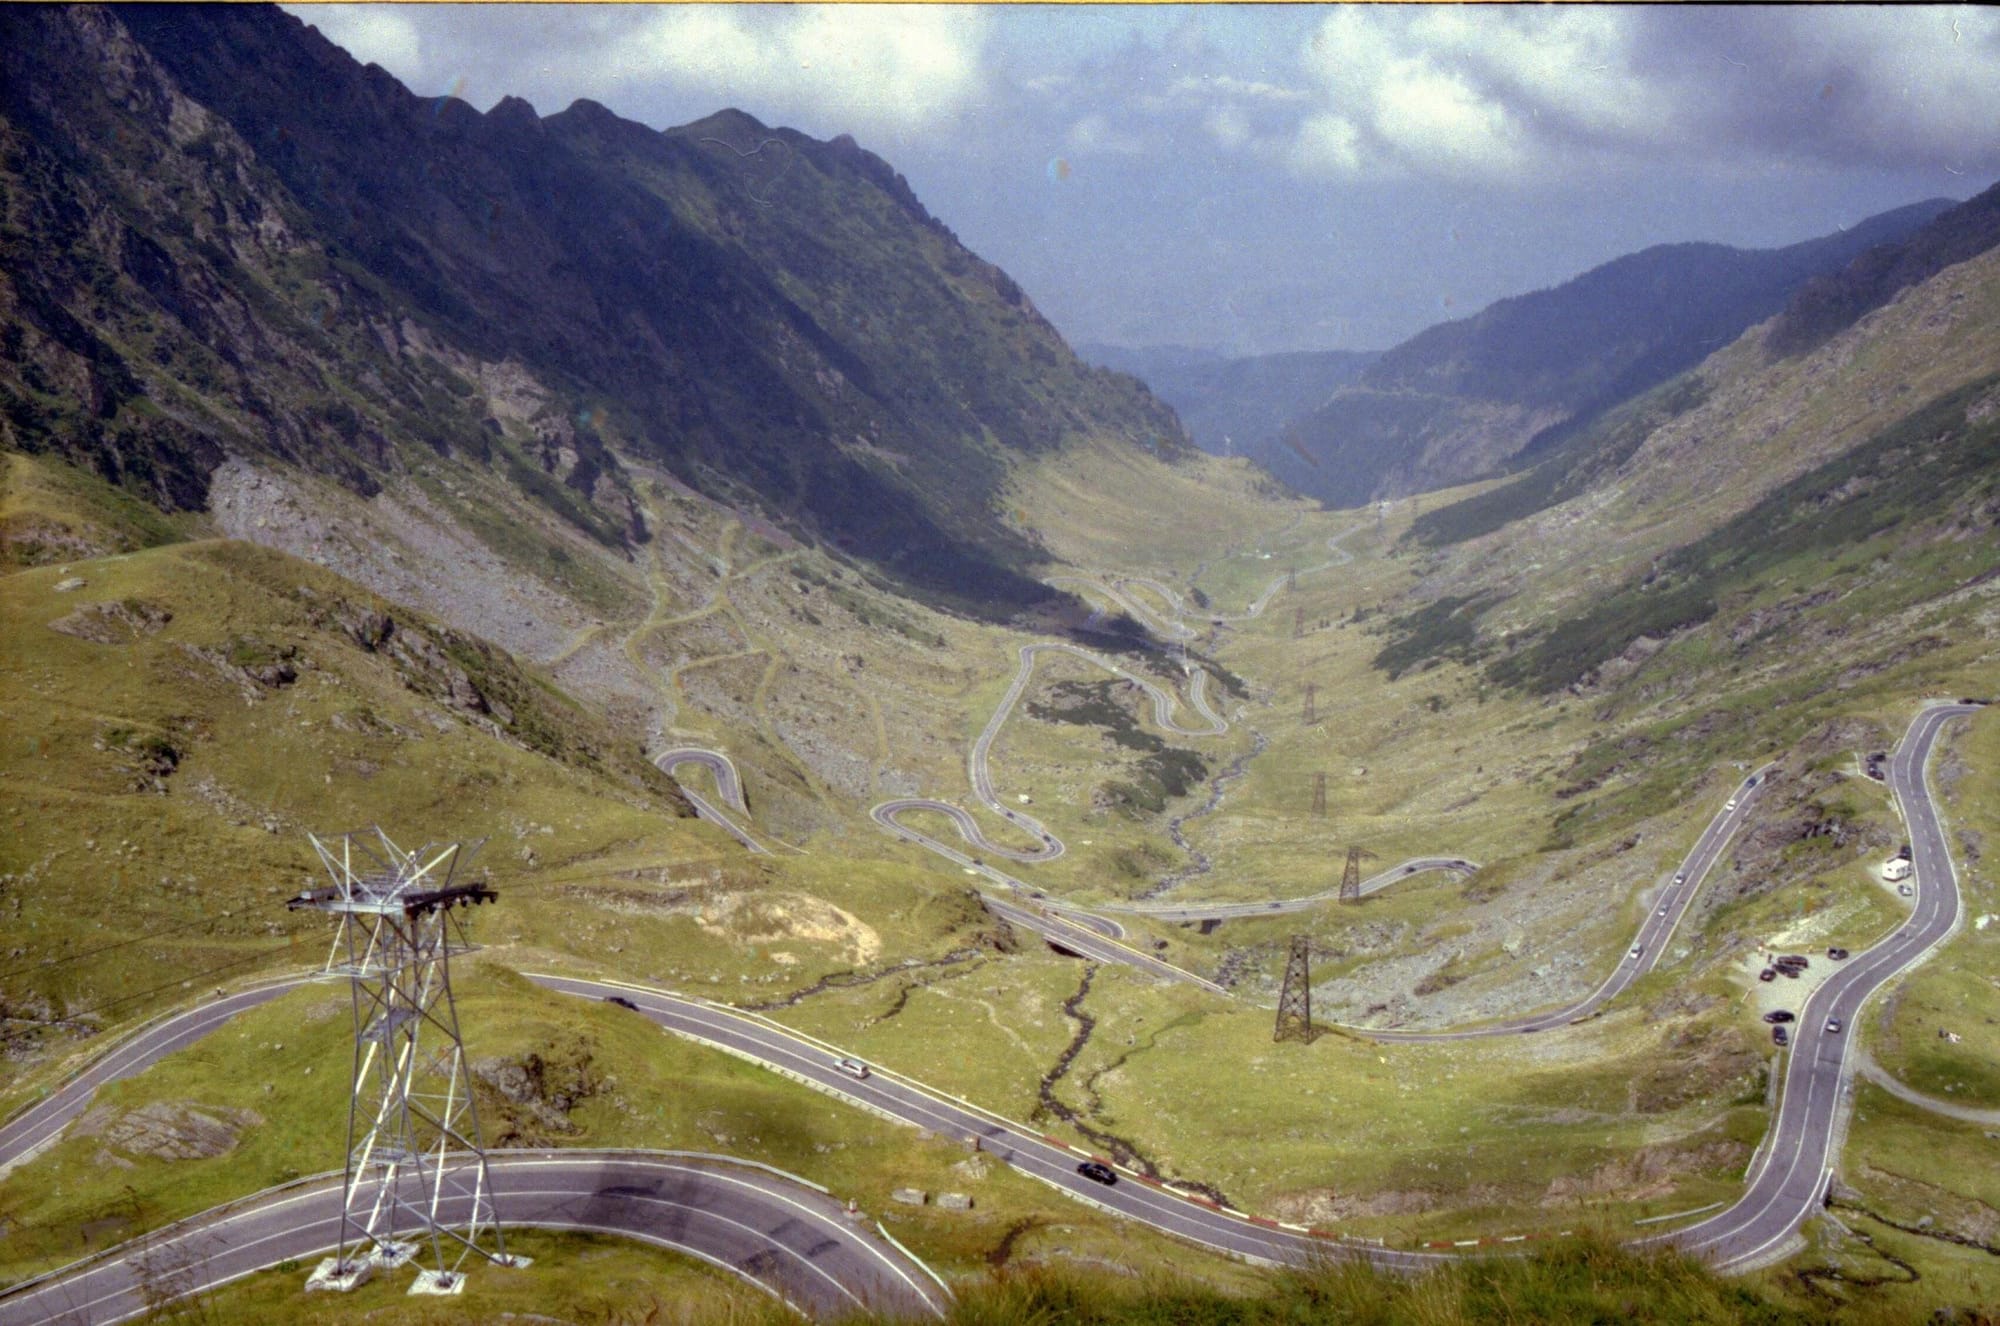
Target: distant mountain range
x,y
1235,406
351,280
1463,398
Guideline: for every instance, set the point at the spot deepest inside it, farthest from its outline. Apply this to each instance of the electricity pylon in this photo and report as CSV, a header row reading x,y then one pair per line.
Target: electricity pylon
x,y
1295,1006
1350,877
416,1170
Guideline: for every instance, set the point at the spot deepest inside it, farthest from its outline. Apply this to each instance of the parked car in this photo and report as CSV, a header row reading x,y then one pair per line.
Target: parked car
x,y
1778,1015
1833,1025
1837,954
1768,974
1097,1172
1906,891
1779,1036
852,1067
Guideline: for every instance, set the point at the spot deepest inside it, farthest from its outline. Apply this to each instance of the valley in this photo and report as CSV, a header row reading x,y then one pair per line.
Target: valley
x,y
909,768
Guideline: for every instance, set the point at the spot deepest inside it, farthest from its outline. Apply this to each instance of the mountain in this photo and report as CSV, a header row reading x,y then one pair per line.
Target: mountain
x,y
360,282
1235,406
1462,398
1834,301
1772,535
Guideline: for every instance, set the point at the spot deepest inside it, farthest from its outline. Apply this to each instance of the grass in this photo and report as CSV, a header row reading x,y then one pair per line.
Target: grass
x,y
1955,992
289,1061
601,1280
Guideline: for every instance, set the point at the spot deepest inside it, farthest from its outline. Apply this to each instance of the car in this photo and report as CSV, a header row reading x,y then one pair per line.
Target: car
x,y
621,1001
1791,973
1768,974
1798,960
1833,1025
1637,949
1662,911
1836,955
852,1067
1680,877
1097,1172
1750,782
1778,1015
1731,805
1779,1036
1906,891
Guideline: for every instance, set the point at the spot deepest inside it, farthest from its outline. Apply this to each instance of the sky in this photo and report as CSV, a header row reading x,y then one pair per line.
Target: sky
x,y
1257,178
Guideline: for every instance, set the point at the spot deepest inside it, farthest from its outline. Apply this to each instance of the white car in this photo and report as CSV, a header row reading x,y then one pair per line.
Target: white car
x,y
1731,805
1637,949
852,1067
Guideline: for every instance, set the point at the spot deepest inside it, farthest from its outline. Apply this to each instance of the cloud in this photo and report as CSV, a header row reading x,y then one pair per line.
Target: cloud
x,y
862,67
372,34
1526,94
1096,133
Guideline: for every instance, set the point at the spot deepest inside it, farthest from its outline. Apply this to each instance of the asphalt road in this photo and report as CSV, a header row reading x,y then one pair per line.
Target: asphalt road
x,y
1785,1188
728,783
788,1239
1791,1179
22,1136
1113,588
1647,946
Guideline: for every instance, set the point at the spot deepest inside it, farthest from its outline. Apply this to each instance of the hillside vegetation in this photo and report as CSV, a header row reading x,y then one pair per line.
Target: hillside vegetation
x,y
370,278
1461,399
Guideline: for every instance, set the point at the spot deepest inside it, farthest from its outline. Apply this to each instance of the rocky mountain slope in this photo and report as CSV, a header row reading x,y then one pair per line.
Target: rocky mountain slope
x,y
1766,539
361,282
1459,400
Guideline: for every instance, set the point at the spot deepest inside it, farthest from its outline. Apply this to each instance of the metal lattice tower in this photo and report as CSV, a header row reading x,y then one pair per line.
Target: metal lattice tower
x,y
1295,1003
1298,622
1311,709
1319,795
1350,877
416,1169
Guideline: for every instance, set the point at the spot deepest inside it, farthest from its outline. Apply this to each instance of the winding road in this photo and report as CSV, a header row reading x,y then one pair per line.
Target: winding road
x,y
787,1238
728,785
570,1189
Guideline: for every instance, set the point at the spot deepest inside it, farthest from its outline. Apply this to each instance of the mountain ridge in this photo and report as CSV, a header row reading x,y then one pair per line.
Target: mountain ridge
x,y
1460,399
647,280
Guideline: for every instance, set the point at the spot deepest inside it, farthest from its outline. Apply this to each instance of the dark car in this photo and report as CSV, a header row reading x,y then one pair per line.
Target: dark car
x,y
1768,974
1097,1172
1778,1015
621,1001
1798,960
1779,1036
1837,954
